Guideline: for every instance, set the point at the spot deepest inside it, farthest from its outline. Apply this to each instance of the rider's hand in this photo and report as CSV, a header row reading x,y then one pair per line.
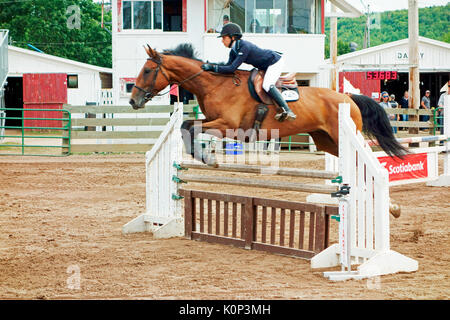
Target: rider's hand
x,y
210,67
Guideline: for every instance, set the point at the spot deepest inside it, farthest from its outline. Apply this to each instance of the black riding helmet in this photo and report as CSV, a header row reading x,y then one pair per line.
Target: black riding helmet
x,y
231,29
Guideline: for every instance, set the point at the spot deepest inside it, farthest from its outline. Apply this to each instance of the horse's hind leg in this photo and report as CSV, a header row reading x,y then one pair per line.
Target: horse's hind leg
x,y
324,142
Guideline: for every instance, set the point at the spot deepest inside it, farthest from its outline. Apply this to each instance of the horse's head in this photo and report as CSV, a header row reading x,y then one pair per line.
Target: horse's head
x,y
150,81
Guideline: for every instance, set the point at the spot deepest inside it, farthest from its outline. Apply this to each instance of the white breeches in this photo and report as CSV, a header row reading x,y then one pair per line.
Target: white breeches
x,y
272,74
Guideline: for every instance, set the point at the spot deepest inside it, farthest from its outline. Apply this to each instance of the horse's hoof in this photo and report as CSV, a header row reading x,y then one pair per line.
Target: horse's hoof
x,y
211,161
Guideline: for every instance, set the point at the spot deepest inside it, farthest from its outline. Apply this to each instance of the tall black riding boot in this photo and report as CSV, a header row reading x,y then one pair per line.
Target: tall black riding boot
x,y
279,100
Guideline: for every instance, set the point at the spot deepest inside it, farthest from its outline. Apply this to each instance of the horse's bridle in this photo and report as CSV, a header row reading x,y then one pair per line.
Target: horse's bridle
x,y
148,94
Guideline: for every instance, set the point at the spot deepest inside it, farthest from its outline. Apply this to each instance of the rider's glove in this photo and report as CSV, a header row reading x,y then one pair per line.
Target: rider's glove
x,y
210,67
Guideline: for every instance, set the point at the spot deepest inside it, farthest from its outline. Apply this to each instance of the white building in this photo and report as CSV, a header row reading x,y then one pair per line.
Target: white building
x,y
165,24
84,81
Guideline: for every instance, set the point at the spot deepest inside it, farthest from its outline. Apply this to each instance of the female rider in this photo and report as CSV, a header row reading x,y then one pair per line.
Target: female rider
x,y
267,60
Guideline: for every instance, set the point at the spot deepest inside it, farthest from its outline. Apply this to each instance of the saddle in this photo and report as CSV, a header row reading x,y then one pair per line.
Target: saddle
x,y
286,84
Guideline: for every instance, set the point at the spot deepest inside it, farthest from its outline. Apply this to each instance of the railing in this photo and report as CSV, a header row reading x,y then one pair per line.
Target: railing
x,y
432,124
118,128
438,119
3,58
2,125
293,145
30,135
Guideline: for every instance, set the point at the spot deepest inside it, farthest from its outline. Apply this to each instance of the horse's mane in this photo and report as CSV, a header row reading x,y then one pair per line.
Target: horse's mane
x,y
185,50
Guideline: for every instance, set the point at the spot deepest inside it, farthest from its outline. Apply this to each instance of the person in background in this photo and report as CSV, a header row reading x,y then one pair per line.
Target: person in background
x,y
387,105
279,25
255,26
226,20
425,104
441,105
404,105
394,104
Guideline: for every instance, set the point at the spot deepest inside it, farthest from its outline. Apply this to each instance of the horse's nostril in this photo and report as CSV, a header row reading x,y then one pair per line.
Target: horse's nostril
x,y
132,102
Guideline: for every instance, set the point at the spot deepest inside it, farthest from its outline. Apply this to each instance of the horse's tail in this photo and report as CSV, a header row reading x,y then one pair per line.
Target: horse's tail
x,y
376,125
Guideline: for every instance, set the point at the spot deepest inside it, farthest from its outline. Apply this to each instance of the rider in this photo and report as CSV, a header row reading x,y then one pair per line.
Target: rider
x,y
267,60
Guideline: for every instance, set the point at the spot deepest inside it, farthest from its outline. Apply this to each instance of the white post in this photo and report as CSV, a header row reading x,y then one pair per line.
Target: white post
x,y
334,85
163,214
444,179
414,73
366,240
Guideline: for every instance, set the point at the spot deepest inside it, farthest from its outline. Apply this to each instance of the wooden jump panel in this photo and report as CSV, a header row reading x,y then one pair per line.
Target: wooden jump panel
x,y
286,221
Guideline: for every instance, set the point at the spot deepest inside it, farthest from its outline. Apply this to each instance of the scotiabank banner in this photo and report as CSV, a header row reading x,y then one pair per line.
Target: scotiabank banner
x,y
412,166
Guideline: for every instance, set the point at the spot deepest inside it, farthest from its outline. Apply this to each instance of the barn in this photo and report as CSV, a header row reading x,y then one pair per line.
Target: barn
x,y
39,80
385,68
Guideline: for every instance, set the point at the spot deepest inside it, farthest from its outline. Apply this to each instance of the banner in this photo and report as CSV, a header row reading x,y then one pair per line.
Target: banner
x,y
413,166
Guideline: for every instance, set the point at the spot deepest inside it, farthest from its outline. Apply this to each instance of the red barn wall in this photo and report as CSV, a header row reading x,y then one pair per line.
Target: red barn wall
x,y
44,91
358,80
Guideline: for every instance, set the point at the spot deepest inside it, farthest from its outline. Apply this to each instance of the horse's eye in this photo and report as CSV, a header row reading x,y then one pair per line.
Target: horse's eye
x,y
146,70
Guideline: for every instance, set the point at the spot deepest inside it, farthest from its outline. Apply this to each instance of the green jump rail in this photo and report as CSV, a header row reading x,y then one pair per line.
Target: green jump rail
x,y
66,140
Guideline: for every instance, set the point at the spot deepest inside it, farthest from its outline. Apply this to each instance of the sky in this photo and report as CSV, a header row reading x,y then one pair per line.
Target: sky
x,y
388,5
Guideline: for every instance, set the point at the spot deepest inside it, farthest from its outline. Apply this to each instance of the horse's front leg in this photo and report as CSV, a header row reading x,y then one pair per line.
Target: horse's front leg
x,y
188,136
216,128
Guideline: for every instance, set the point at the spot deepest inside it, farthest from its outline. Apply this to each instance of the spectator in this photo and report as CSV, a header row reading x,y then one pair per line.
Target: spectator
x,y
387,105
226,20
441,105
279,25
404,105
255,26
425,104
394,104
392,101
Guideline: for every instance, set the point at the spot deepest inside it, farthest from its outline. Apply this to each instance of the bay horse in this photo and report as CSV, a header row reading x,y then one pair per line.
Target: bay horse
x,y
226,102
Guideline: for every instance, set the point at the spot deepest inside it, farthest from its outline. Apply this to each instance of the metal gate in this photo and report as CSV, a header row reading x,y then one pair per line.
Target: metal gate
x,y
50,139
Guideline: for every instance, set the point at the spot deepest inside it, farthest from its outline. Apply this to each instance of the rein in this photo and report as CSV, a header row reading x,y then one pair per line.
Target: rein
x,y
148,94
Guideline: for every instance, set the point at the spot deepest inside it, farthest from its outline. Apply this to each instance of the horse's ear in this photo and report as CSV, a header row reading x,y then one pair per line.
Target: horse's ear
x,y
151,53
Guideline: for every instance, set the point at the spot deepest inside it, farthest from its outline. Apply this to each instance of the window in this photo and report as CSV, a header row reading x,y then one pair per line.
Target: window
x,y
173,15
302,16
153,15
126,86
303,83
72,81
142,14
275,16
129,87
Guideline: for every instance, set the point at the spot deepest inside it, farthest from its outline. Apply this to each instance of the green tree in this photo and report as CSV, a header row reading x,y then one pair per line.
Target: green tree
x,y
51,27
433,23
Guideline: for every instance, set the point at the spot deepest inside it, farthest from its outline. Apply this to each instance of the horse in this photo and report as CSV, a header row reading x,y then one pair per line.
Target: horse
x,y
228,105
